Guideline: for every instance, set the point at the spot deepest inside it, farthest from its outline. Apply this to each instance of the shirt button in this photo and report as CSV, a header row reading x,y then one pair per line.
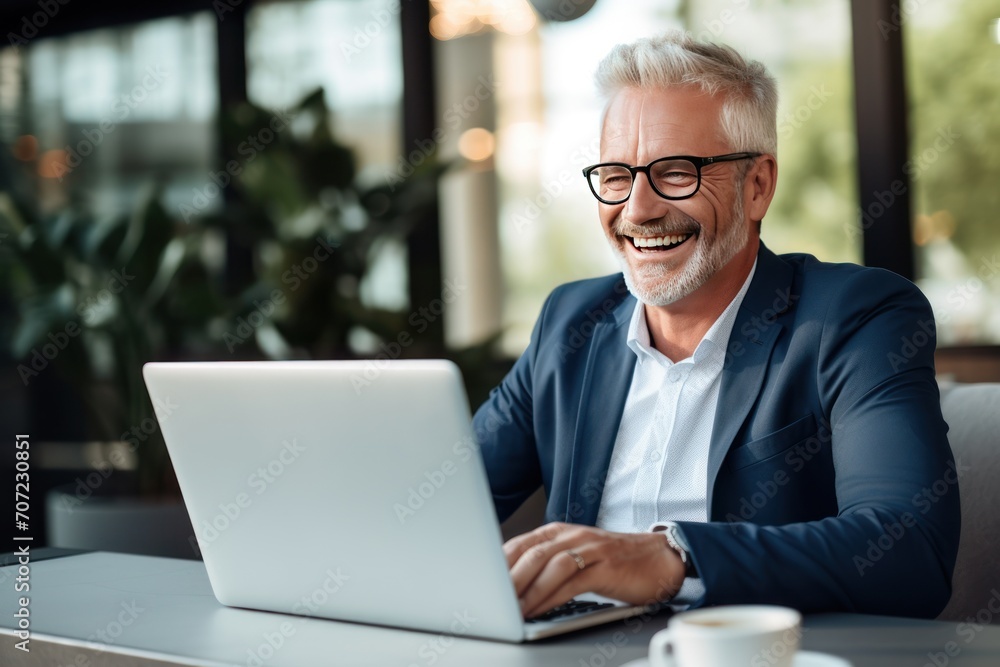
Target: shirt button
x,y
673,376
654,457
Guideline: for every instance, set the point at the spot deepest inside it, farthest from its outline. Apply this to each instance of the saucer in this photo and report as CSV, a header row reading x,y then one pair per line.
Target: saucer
x,y
802,659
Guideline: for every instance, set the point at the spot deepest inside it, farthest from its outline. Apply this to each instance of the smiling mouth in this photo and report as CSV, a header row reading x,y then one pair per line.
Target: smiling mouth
x,y
658,243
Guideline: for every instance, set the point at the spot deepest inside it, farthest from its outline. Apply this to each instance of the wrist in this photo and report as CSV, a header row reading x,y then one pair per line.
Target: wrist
x,y
677,543
668,569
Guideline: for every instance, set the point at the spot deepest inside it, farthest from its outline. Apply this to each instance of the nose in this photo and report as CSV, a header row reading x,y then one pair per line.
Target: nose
x,y
643,204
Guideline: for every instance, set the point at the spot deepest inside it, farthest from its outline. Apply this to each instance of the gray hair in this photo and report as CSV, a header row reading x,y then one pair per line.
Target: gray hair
x,y
750,93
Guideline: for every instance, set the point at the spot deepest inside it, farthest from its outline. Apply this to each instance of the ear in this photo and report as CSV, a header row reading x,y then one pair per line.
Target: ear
x,y
758,188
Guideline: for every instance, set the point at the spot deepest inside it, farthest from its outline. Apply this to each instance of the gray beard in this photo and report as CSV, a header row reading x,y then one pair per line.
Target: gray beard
x,y
656,285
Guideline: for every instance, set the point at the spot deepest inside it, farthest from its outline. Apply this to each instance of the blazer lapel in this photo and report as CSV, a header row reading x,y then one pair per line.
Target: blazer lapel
x,y
606,381
750,345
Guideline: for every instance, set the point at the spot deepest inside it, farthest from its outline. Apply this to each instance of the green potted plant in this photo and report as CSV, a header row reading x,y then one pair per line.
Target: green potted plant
x,y
94,300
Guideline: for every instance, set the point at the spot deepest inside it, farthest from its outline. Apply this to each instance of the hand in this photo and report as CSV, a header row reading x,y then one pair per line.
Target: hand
x,y
637,568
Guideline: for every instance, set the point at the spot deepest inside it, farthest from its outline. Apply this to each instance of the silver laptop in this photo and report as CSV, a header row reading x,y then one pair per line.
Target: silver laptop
x,y
346,490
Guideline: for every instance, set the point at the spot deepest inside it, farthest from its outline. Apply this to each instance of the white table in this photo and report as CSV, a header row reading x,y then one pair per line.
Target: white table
x,y
161,611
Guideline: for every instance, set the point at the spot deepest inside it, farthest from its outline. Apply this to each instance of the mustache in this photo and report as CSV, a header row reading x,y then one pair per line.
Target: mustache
x,y
669,225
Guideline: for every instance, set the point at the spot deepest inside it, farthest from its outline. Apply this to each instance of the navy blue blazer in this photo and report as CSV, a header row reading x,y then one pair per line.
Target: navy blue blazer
x,y
831,485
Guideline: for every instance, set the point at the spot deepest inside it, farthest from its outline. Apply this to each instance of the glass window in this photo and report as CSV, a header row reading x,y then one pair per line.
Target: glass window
x,y
352,49
97,115
953,67
548,129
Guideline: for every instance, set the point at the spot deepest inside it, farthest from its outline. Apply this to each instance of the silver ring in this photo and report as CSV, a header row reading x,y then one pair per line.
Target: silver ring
x,y
580,563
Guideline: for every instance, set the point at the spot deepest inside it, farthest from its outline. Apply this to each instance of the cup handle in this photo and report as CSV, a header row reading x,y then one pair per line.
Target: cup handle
x,y
660,653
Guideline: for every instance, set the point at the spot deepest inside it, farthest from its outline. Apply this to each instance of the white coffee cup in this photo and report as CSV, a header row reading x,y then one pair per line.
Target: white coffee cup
x,y
733,636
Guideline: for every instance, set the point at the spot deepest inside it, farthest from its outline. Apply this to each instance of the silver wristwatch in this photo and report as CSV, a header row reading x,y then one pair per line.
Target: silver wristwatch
x,y
677,542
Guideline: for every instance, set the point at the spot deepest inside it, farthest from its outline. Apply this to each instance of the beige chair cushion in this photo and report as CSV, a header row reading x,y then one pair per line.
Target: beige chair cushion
x,y
973,415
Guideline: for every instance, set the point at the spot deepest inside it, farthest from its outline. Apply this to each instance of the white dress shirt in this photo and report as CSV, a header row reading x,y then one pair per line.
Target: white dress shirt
x,y
659,467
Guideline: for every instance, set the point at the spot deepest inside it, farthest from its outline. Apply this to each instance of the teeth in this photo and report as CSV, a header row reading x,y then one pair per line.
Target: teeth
x,y
656,241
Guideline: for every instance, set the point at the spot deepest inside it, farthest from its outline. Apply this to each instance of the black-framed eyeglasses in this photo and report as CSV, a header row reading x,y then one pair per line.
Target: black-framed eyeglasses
x,y
674,177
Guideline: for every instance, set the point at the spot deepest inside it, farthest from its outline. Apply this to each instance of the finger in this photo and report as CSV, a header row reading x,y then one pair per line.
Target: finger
x,y
557,572
582,581
515,547
534,558
564,594
532,562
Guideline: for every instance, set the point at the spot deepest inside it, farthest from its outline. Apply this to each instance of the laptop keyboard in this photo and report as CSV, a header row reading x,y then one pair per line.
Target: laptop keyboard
x,y
571,608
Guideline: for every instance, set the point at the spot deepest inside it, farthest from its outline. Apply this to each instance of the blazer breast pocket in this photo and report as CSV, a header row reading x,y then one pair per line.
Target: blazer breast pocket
x,y
773,443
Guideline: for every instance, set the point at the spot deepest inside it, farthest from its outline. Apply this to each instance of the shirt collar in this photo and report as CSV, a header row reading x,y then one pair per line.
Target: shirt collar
x,y
712,345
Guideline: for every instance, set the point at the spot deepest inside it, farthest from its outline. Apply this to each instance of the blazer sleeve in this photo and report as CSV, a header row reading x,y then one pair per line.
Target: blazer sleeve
x,y
504,429
892,547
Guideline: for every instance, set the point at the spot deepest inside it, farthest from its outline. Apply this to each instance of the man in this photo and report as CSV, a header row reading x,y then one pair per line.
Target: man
x,y
720,424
